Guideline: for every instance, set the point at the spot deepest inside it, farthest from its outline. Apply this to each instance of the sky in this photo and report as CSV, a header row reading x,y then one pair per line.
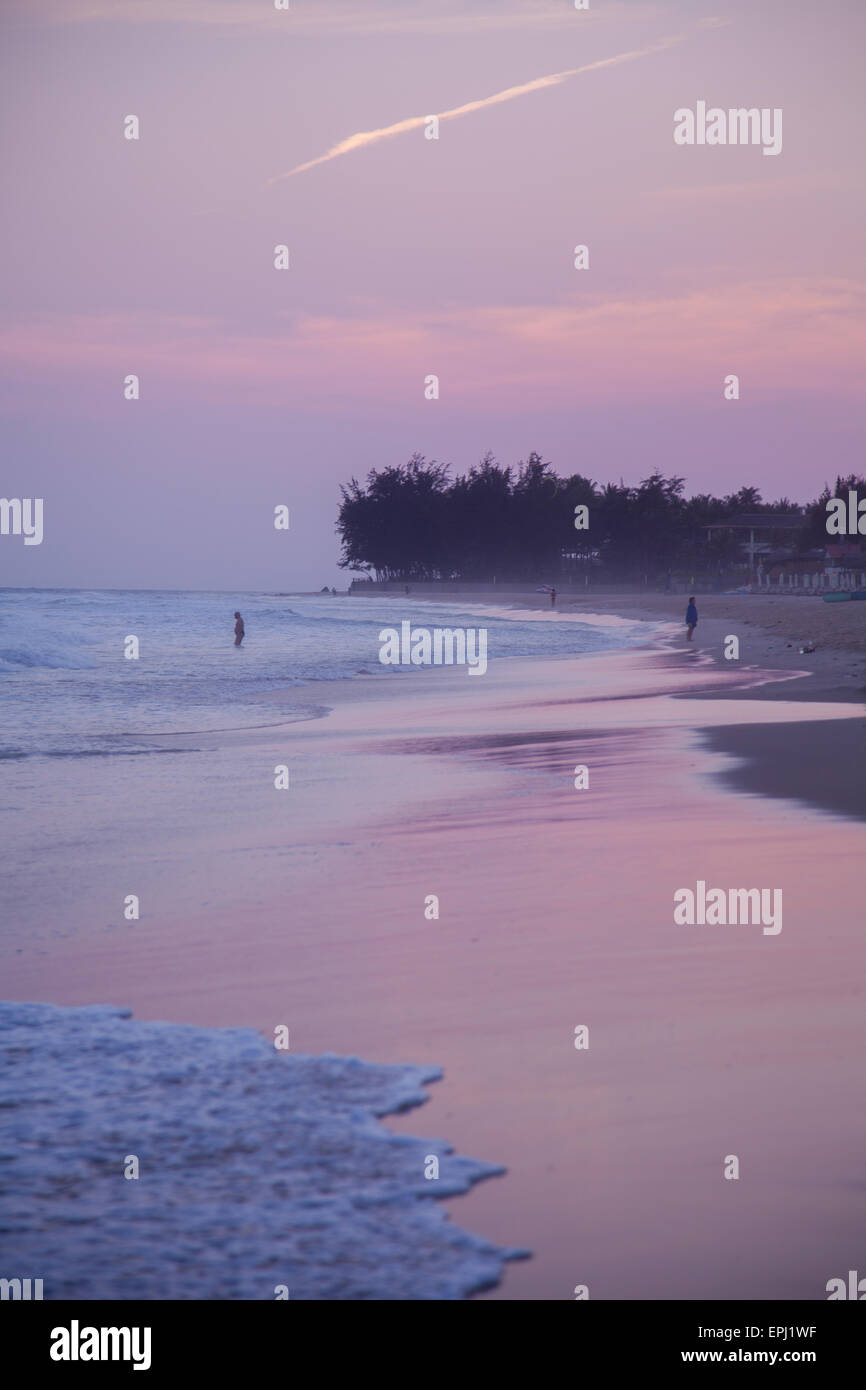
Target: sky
x,y
410,257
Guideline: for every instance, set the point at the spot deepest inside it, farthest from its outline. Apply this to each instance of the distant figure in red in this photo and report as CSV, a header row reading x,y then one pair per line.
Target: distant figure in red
x,y
239,629
553,598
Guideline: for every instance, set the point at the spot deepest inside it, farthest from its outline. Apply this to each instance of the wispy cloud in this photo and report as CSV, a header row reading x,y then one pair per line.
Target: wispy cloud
x,y
783,335
372,137
764,188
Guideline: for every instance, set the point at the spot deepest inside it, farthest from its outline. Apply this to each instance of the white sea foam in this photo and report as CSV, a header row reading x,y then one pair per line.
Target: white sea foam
x,y
257,1168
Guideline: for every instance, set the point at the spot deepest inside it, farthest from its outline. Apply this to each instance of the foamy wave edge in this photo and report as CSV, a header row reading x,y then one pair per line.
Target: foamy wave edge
x,y
258,1168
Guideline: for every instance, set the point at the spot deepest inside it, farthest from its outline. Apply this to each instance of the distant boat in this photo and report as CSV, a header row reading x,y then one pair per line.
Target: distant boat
x,y
859,593
840,596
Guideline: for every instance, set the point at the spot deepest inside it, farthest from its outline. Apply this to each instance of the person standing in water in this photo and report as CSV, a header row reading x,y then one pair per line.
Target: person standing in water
x,y
239,629
553,598
691,618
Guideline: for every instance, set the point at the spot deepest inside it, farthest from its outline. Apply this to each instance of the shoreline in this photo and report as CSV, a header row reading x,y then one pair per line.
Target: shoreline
x,y
772,627
768,762
554,911
247,1122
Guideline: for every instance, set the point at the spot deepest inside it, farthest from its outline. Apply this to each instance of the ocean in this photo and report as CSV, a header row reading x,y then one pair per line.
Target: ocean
x,y
155,777
257,1175
67,688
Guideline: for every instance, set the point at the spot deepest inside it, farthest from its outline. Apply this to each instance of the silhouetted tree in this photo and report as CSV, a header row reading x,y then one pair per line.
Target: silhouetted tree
x,y
815,534
413,521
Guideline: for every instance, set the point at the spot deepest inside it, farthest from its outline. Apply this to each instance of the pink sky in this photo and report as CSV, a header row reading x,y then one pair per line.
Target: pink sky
x,y
410,257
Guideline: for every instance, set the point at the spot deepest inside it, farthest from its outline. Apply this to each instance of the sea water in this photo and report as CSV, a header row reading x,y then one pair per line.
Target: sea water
x,y
261,1175
257,1170
67,690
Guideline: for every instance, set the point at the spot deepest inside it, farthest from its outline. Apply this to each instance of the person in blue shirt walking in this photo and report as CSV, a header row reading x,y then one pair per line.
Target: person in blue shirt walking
x,y
691,618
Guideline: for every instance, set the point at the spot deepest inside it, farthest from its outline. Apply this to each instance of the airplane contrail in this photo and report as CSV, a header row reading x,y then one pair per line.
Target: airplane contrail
x,y
372,137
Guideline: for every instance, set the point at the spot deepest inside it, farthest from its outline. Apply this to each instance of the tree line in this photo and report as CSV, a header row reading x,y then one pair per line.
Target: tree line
x,y
414,521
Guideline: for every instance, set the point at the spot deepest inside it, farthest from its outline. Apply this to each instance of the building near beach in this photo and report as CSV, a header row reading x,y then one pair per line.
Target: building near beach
x,y
767,536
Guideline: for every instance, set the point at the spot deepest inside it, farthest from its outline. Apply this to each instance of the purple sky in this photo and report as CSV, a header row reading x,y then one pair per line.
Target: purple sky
x,y
410,257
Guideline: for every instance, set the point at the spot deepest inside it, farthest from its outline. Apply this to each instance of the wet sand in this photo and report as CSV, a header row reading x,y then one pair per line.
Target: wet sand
x,y
555,910
771,628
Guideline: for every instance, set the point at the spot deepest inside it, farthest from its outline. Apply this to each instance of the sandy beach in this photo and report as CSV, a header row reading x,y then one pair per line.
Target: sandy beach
x,y
555,912
772,628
